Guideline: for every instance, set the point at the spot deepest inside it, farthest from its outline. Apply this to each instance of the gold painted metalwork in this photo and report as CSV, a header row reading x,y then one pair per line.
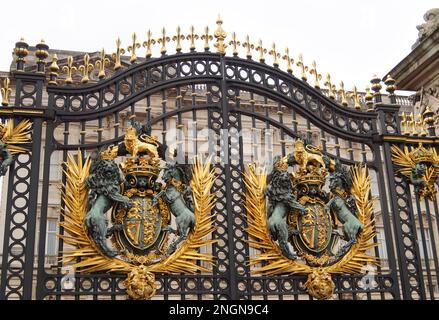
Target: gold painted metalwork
x,y
206,37
178,37
390,85
369,99
330,86
101,64
275,55
317,76
429,117
132,48
343,95
148,43
69,69
289,60
85,69
13,137
117,55
192,36
163,41
220,35
356,97
249,46
86,257
234,43
421,166
303,67
419,124
5,92
54,69
261,51
270,259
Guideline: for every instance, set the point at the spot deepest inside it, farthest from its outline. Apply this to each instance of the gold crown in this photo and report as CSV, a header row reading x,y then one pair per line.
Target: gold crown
x,y
141,166
311,178
421,154
282,164
110,153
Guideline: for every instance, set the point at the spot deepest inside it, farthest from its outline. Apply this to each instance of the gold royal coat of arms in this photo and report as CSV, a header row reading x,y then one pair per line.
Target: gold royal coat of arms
x,y
299,228
156,226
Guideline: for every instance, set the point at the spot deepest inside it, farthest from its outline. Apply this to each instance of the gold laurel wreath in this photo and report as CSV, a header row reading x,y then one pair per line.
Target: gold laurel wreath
x,y
13,136
86,257
271,257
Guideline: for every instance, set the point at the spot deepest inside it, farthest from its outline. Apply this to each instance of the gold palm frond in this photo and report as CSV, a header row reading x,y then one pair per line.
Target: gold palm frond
x,y
271,255
186,257
403,159
86,257
357,257
13,136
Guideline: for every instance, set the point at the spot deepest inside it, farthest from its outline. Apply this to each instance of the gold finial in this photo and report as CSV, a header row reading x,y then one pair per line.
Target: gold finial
x,y
163,41
6,92
54,68
317,76
289,60
132,48
404,122
192,36
85,69
330,86
369,98
116,56
303,68
69,69
356,97
178,37
248,46
342,93
390,85
206,37
274,54
101,64
220,36
147,44
261,51
235,44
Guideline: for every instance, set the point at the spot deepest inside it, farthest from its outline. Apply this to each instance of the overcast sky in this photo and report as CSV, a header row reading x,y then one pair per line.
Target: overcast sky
x,y
351,40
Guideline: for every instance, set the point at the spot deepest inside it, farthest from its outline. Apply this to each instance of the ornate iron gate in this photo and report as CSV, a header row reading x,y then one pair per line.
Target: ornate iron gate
x,y
227,95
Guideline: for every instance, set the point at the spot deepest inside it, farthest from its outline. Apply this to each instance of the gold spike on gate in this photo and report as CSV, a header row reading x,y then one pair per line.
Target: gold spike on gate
x,y
132,48
148,43
343,95
234,43
356,97
5,92
275,55
248,46
330,86
69,69
303,67
101,64
163,41
116,55
86,68
261,51
192,36
178,37
317,75
289,60
206,37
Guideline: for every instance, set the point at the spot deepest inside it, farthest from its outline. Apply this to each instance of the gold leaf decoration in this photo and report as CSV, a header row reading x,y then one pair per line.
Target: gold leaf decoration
x,y
14,136
91,259
274,262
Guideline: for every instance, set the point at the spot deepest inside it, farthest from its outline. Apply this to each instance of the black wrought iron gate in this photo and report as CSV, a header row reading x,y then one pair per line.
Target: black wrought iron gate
x,y
228,95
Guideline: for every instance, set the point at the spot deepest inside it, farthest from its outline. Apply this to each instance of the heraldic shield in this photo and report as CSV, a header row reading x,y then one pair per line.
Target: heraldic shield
x,y
303,225
156,223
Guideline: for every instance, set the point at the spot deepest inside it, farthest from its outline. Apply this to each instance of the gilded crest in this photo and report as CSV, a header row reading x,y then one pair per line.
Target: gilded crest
x,y
294,220
140,240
